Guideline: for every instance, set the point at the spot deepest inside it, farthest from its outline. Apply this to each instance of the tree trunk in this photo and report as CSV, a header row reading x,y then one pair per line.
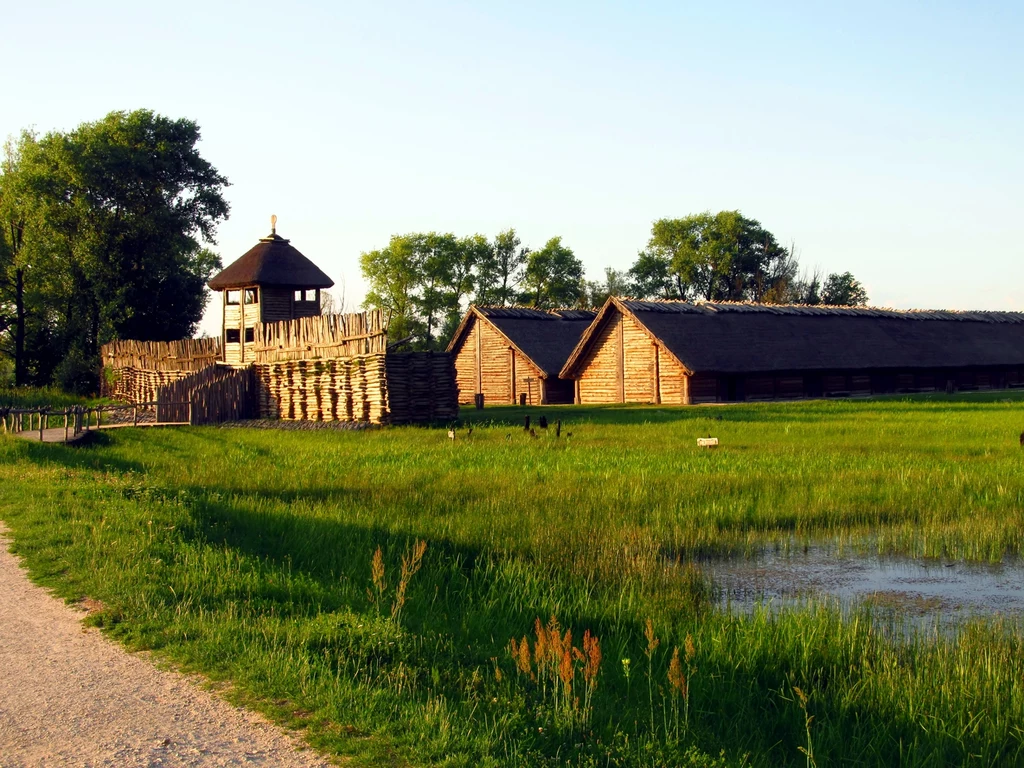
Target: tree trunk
x,y
20,368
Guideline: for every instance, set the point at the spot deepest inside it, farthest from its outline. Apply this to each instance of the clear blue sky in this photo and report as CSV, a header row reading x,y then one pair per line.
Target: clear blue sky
x,y
881,138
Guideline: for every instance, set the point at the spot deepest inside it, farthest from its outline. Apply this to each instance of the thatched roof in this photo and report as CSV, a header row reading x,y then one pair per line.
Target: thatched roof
x,y
544,336
274,262
740,338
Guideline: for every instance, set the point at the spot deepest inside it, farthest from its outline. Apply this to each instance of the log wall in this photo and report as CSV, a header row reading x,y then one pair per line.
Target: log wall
x,y
379,388
673,380
622,366
599,381
421,387
134,371
639,383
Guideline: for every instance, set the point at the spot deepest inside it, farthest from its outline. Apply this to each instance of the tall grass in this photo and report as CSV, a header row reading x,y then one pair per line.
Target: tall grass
x,y
274,560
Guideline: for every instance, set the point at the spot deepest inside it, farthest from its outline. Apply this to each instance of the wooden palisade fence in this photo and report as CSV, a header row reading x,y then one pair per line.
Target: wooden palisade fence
x,y
323,368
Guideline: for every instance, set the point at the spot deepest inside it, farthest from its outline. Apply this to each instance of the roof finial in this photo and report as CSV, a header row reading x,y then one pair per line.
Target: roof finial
x,y
273,223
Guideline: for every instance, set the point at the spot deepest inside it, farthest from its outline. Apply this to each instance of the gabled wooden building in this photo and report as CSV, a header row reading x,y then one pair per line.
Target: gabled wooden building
x,y
505,353
270,282
680,352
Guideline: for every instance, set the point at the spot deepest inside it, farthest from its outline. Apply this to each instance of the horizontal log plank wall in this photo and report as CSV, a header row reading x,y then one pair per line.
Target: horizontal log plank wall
x,y
486,363
627,366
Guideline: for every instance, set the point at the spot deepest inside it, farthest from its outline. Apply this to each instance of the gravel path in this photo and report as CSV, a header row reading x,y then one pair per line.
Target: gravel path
x,y
70,697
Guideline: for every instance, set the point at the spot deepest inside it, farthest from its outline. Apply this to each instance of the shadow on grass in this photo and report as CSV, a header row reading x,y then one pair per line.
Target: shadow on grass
x,y
464,607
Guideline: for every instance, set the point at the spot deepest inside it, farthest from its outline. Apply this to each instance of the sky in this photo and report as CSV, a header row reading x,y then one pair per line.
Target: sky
x,y
884,139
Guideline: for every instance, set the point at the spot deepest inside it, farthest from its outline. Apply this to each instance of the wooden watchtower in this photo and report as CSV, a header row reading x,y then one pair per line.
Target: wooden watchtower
x,y
272,281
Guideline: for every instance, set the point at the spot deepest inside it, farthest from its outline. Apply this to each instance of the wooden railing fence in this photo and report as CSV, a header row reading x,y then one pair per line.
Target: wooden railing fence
x,y
76,419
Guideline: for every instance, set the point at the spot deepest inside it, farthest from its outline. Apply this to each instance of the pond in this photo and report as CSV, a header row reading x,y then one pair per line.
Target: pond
x,y
920,590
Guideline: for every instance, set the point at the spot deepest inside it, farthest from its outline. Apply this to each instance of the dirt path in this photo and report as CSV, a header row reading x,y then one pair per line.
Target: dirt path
x,y
70,697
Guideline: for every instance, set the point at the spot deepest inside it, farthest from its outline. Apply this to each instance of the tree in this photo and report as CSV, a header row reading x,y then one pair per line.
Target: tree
x,y
553,277
120,211
650,277
424,279
843,290
720,257
614,284
393,277
16,216
500,270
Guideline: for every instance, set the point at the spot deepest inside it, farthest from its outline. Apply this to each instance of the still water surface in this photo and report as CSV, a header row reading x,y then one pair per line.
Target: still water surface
x,y
921,589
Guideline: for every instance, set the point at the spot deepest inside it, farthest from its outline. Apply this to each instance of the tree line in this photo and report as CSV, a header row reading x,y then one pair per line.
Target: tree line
x,y
427,280
104,236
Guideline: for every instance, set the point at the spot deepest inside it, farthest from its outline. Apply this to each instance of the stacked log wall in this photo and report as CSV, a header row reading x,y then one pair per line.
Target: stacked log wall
x,y
639,385
599,378
495,365
394,388
421,387
673,380
527,380
465,364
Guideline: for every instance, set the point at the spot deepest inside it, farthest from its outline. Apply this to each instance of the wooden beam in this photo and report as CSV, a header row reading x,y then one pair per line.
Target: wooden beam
x,y
657,373
479,359
620,373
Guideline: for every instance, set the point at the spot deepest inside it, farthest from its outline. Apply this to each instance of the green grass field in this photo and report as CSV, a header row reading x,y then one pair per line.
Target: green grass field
x,y
250,556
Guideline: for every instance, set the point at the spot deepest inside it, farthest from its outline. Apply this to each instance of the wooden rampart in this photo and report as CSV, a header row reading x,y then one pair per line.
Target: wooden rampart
x,y
421,387
322,337
349,389
135,371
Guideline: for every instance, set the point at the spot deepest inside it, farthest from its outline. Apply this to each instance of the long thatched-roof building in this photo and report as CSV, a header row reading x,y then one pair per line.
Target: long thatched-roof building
x,y
682,352
509,354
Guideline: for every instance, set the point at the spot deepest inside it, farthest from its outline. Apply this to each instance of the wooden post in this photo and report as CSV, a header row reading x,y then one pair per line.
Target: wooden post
x,y
135,415
190,411
620,366
41,422
657,374
512,370
65,425
479,358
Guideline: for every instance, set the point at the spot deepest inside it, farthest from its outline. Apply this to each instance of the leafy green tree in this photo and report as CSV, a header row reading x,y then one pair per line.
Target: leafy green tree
x,y
650,277
500,270
615,283
721,257
17,220
843,290
393,275
424,279
553,277
118,214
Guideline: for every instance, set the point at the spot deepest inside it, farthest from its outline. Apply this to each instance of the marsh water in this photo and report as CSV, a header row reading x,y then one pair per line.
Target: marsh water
x,y
943,591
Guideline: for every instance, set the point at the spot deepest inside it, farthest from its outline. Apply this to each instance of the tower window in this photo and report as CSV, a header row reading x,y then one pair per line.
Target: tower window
x,y
250,335
234,297
232,336
252,296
